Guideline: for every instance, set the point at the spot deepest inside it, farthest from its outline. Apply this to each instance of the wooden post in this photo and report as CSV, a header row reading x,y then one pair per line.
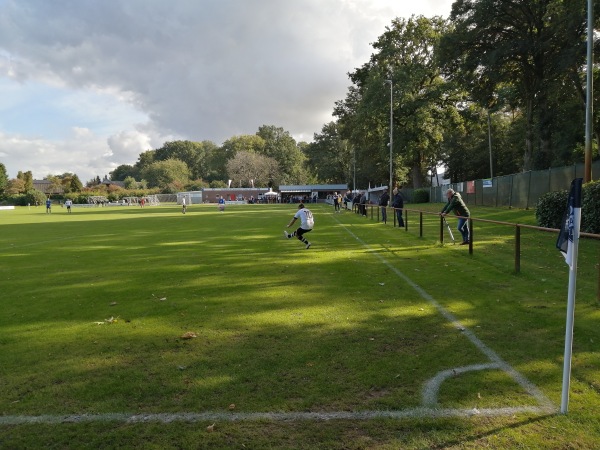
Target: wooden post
x,y
517,249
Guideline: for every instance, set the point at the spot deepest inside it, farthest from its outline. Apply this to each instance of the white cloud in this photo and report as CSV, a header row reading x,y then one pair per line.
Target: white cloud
x,y
136,73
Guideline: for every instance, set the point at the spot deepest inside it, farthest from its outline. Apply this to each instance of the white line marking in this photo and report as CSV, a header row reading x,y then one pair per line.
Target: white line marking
x,y
272,416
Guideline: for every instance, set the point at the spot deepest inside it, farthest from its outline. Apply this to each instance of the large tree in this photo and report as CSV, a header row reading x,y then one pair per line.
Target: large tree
x,y
531,45
123,171
329,156
282,147
3,178
423,104
193,154
247,169
162,174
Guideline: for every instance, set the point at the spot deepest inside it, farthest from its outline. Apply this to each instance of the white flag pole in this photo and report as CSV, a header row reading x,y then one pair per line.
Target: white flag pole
x,y
564,404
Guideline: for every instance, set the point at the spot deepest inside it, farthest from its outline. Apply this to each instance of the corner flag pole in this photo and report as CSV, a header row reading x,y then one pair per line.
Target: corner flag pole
x,y
570,231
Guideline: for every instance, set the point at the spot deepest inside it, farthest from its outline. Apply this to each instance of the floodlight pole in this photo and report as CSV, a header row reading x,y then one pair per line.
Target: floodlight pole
x,y
587,176
354,180
391,144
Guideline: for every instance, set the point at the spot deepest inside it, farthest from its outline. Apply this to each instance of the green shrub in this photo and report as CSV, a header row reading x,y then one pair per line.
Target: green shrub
x,y
421,196
29,198
551,207
590,208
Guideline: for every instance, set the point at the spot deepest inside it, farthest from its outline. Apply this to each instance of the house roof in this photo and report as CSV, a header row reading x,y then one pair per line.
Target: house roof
x,y
46,187
313,187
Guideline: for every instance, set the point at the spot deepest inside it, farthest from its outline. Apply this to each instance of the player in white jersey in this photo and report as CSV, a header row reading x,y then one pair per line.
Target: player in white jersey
x,y
307,222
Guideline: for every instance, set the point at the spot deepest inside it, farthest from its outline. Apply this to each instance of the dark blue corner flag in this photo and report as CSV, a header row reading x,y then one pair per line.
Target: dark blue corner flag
x,y
565,238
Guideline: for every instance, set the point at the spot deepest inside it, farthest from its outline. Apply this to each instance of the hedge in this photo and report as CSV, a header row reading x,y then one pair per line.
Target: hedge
x,y
551,207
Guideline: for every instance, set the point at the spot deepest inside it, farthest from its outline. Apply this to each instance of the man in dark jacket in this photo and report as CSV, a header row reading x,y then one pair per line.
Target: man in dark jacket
x,y
456,204
398,205
363,204
383,203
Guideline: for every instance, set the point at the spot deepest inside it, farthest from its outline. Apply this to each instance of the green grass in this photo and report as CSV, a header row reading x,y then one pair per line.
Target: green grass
x,y
95,305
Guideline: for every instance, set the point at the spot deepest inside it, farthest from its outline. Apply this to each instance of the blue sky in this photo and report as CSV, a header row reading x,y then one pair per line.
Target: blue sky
x,y
88,85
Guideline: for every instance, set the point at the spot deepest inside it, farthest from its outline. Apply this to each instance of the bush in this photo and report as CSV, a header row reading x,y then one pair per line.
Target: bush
x,y
421,196
29,198
550,208
590,208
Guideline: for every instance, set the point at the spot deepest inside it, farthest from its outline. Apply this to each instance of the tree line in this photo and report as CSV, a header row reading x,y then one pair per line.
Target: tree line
x,y
496,88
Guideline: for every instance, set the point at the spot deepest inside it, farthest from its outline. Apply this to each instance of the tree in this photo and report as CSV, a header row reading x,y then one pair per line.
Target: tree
x,y
27,178
248,168
123,171
55,182
3,178
15,186
282,147
329,156
144,160
161,174
191,153
526,44
424,105
130,183
75,184
248,143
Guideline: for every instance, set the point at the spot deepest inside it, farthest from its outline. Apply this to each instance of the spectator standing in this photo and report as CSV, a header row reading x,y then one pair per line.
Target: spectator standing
x,y
383,203
363,204
456,204
48,206
336,202
398,205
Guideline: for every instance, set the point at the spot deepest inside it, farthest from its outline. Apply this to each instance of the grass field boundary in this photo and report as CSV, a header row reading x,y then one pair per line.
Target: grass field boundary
x,y
428,408
209,417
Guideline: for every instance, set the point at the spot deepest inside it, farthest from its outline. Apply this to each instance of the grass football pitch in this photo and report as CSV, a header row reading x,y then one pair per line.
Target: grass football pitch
x,y
126,327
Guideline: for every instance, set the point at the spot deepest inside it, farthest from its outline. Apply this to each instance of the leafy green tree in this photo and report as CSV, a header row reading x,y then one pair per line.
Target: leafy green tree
x,y
144,160
27,178
161,174
3,178
130,183
33,197
282,147
424,105
55,182
329,156
213,164
76,185
527,44
191,153
15,186
123,171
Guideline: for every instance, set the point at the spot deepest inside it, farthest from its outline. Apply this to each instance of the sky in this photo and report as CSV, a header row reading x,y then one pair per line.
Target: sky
x,y
88,85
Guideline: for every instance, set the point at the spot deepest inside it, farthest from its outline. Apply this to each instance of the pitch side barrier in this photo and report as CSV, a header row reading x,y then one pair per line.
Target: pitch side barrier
x,y
374,212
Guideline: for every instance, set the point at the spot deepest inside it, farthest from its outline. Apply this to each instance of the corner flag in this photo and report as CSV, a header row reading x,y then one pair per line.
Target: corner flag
x,y
567,230
568,244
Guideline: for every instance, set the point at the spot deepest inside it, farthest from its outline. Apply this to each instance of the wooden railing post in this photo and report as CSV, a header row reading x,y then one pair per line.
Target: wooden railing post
x,y
517,248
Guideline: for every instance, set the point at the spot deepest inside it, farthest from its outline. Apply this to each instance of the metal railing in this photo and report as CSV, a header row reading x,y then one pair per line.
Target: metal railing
x,y
373,211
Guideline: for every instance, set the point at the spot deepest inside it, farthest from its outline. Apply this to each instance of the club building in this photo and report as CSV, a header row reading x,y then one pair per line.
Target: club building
x,y
309,193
